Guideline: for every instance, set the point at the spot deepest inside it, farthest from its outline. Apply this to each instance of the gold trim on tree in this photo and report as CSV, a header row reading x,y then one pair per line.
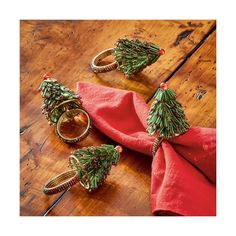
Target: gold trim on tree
x,y
166,117
60,102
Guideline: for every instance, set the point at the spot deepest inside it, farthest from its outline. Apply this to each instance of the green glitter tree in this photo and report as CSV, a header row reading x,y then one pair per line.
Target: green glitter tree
x,y
94,163
166,116
133,56
54,93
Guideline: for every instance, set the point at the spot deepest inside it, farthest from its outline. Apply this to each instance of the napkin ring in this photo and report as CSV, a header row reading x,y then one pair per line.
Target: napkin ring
x,y
166,117
131,56
109,67
63,109
89,166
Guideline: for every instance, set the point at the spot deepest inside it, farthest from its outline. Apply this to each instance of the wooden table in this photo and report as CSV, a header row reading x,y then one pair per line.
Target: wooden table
x,y
64,49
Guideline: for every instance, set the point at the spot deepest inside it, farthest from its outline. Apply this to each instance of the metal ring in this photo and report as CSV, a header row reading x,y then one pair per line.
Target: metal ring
x,y
73,158
83,135
156,144
100,56
75,101
61,182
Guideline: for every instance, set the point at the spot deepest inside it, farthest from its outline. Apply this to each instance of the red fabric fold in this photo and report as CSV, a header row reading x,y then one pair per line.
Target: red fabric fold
x,y
183,178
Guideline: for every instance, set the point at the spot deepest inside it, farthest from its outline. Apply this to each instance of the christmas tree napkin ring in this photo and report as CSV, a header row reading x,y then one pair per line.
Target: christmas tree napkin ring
x,y
63,109
89,166
166,117
131,56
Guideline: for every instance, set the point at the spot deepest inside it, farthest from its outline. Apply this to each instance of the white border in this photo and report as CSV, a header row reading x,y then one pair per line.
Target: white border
x,y
12,12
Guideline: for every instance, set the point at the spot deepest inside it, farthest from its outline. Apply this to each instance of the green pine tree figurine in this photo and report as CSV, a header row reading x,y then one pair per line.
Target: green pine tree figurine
x,y
55,93
94,163
133,56
166,116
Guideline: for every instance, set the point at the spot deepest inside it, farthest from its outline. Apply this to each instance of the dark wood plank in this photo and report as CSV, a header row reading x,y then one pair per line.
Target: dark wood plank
x,y
65,49
195,85
125,192
41,159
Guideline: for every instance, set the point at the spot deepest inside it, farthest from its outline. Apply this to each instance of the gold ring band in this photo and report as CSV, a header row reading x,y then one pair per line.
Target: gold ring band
x,y
61,182
74,101
100,56
156,144
80,137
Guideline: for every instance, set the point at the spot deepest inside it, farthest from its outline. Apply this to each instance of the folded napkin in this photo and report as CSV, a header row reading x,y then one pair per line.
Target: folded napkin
x,y
183,178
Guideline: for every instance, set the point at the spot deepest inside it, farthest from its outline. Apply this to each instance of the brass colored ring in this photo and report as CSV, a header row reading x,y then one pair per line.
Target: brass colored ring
x,y
73,158
75,101
100,56
156,144
61,182
82,136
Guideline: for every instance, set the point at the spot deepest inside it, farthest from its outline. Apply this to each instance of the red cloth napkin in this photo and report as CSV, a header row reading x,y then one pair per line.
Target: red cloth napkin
x,y
183,178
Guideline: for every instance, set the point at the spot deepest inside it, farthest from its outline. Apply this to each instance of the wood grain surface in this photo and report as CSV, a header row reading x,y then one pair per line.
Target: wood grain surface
x,y
195,85
64,49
